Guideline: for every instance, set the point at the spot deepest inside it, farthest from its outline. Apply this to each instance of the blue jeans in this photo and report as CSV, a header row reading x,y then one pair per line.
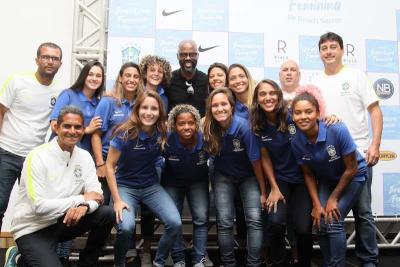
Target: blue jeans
x,y
161,204
366,244
297,210
331,236
224,192
197,196
10,170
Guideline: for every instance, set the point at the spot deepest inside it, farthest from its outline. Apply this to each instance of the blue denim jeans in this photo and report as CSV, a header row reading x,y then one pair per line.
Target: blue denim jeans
x,y
198,200
10,171
161,204
366,243
331,236
224,192
297,210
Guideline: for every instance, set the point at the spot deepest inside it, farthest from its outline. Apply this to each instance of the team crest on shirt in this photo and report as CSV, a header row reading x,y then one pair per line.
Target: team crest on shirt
x,y
292,129
236,145
78,173
202,158
332,153
53,101
345,88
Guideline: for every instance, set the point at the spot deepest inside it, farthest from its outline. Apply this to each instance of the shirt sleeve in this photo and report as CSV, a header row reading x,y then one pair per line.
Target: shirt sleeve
x,y
366,92
252,146
346,142
36,181
8,92
104,110
117,143
296,152
92,184
63,100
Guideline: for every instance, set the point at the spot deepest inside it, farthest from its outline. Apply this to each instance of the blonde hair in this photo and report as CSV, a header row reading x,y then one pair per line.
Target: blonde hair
x,y
150,60
252,83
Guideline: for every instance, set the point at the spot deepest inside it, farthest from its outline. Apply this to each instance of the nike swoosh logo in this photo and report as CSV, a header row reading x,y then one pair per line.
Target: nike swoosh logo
x,y
201,49
165,13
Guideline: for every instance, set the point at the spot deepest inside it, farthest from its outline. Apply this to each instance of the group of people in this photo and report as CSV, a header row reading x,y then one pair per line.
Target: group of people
x,y
279,159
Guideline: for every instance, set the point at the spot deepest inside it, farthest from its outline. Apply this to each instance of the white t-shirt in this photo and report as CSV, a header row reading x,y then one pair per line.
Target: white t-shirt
x,y
348,94
29,106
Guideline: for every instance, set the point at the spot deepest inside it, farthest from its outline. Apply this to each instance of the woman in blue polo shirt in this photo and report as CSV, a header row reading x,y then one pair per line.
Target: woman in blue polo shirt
x,y
186,173
85,94
114,110
288,194
237,165
334,173
139,140
156,75
242,86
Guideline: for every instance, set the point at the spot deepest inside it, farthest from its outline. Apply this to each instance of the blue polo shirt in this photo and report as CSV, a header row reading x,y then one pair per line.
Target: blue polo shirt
x,y
164,98
112,114
86,105
325,156
239,149
278,145
183,166
241,110
133,168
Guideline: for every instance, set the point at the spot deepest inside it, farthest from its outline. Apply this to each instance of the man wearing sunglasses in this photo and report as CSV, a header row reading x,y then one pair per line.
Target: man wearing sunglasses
x,y
188,84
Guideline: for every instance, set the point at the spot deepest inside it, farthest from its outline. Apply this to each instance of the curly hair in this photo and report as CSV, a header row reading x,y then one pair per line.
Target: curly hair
x,y
180,109
149,60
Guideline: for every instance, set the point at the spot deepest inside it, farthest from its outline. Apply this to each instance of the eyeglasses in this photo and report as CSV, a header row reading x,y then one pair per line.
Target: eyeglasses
x,y
48,58
185,55
190,89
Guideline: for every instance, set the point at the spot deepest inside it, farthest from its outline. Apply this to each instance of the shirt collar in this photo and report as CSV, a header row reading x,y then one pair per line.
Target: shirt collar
x,y
321,134
84,98
125,101
234,125
199,141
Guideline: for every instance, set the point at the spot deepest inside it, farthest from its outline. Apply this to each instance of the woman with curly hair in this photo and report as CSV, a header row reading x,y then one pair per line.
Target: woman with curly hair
x,y
156,75
186,174
140,140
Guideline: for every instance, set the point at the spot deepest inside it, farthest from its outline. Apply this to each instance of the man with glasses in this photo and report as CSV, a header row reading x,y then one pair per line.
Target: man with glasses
x,y
188,84
26,102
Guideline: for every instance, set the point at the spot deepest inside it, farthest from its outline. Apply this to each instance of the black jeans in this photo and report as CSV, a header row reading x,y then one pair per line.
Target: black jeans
x,y
38,248
298,206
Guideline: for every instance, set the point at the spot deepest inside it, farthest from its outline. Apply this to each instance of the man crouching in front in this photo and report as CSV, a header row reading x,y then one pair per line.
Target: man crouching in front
x,y
59,198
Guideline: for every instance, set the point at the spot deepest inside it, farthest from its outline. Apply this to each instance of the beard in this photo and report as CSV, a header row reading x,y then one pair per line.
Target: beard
x,y
190,69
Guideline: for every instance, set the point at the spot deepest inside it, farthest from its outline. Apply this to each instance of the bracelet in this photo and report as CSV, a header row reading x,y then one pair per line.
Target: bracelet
x,y
84,204
97,166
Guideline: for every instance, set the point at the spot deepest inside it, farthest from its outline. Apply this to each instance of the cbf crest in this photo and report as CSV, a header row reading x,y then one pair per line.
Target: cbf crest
x,y
332,153
53,101
202,158
345,90
236,145
78,173
292,129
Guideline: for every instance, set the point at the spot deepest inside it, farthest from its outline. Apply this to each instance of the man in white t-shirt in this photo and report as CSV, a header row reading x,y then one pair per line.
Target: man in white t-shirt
x,y
349,95
26,101
289,77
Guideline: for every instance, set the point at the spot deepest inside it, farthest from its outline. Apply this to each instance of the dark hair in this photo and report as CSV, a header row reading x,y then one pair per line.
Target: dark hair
x,y
330,36
48,44
305,96
70,109
211,129
223,68
258,118
80,82
131,127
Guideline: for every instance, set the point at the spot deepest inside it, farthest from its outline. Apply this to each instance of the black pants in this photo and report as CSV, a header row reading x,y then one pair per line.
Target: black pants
x,y
298,206
38,248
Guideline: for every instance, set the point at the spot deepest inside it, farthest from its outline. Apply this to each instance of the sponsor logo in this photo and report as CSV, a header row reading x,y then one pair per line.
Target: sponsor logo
x,y
236,145
384,88
165,13
265,138
202,158
345,89
305,157
173,158
201,49
139,146
387,155
78,174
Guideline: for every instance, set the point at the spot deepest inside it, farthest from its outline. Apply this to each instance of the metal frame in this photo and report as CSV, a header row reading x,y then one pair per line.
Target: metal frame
x,y
89,34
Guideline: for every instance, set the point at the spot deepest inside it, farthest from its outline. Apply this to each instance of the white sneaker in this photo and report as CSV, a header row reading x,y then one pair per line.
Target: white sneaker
x,y
145,260
169,261
207,262
180,264
155,264
201,263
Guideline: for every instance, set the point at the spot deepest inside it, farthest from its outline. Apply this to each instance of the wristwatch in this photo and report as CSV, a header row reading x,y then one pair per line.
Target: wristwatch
x,y
85,204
